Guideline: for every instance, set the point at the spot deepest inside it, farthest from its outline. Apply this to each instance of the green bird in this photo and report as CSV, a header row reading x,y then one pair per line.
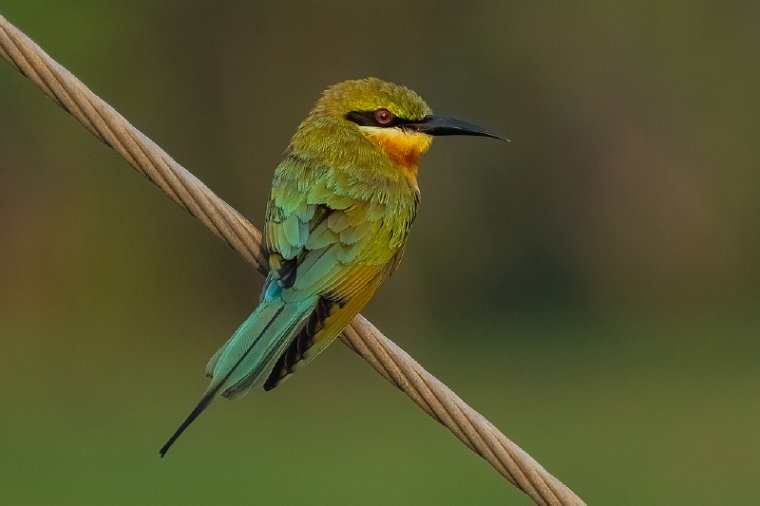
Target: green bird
x,y
341,206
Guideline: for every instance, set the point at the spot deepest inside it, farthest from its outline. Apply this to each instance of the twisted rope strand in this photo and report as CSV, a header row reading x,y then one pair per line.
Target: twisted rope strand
x,y
138,150
438,401
390,361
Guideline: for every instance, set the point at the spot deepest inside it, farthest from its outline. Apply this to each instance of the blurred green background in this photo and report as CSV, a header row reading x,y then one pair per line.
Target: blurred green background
x,y
593,287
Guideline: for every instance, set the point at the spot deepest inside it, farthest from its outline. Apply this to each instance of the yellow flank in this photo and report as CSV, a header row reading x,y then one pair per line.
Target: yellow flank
x,y
332,325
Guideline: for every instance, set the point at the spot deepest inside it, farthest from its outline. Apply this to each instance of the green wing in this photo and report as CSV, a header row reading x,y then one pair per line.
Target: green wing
x,y
323,239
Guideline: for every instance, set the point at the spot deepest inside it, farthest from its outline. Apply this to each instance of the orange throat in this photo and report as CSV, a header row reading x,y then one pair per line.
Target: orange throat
x,y
403,147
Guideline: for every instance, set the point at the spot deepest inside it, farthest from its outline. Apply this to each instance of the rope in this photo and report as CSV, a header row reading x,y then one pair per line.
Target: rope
x,y
390,361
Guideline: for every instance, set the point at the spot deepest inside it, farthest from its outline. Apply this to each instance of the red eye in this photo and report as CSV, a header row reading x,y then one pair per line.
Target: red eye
x,y
384,117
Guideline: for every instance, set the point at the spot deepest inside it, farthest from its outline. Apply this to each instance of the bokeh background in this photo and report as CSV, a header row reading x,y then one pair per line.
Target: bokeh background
x,y
593,287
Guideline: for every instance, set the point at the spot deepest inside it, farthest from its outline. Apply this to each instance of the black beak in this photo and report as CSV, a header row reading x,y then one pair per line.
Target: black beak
x,y
440,125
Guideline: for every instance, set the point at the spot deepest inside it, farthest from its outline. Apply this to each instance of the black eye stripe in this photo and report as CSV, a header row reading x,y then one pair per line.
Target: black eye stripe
x,y
367,118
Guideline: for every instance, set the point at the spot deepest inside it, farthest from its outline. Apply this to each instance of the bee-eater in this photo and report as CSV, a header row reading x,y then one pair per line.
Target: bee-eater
x,y
339,212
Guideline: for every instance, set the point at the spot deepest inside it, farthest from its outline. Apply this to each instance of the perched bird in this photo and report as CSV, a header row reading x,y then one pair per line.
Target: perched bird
x,y
339,212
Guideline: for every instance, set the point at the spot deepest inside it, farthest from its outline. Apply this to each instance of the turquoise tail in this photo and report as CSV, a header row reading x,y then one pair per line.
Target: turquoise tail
x,y
249,355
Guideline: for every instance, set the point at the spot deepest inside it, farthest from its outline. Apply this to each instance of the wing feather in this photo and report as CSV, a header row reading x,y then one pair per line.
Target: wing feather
x,y
324,241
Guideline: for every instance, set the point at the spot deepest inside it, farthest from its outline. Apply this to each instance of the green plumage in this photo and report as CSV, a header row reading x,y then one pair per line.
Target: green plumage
x,y
340,209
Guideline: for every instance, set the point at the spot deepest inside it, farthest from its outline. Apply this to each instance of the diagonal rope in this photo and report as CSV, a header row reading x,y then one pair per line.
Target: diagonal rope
x,y
390,361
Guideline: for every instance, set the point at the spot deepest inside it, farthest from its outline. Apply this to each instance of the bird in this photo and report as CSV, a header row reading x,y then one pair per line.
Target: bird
x,y
339,212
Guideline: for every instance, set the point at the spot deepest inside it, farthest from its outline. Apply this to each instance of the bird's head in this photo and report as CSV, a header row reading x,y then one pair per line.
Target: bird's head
x,y
389,116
